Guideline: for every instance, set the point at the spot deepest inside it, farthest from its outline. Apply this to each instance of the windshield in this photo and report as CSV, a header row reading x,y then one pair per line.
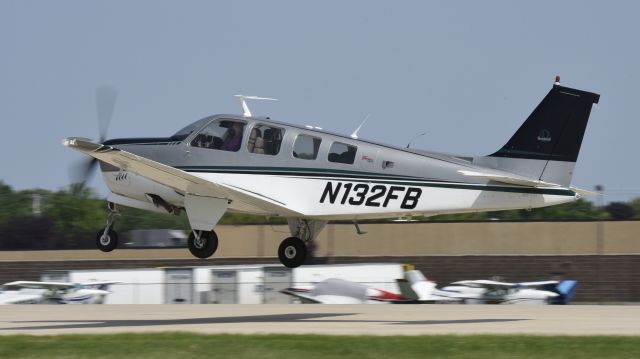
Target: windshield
x,y
186,131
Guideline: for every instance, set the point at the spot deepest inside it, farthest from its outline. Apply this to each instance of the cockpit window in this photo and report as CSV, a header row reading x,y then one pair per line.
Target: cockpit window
x,y
265,140
186,131
222,135
306,147
342,153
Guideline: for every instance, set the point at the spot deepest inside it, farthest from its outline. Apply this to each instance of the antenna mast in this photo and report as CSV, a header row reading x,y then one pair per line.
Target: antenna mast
x,y
354,135
245,108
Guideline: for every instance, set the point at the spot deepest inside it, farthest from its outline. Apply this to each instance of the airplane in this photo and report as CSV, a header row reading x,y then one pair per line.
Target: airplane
x,y
414,289
340,291
66,293
252,164
497,292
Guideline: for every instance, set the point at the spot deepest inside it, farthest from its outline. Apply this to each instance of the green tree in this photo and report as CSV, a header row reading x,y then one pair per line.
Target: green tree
x,y
13,205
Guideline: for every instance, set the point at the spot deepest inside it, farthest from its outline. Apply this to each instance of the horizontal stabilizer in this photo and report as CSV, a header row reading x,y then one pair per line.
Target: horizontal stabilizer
x,y
584,192
520,181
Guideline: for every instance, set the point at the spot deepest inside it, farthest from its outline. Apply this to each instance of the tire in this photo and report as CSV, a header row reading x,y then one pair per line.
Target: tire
x,y
204,248
292,252
108,242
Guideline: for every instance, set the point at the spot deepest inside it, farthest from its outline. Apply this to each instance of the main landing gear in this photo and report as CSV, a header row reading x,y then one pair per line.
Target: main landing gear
x,y
293,251
202,244
107,238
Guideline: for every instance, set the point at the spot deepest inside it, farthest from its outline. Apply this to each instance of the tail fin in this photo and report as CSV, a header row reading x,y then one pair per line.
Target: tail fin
x,y
547,144
420,284
406,290
567,290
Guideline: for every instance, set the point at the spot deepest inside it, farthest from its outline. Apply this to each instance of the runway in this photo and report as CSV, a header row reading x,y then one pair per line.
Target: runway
x,y
321,319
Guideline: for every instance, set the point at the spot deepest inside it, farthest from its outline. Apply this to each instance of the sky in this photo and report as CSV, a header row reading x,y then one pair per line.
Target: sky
x,y
466,72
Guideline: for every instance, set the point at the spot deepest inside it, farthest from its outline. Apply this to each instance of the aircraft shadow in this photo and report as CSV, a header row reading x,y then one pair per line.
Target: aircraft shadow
x,y
273,318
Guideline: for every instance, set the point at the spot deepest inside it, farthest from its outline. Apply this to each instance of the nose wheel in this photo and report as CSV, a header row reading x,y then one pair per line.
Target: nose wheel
x,y
203,244
107,238
292,252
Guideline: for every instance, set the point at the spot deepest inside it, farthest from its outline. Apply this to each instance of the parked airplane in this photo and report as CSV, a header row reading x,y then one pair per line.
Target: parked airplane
x,y
414,289
495,292
310,176
66,293
340,291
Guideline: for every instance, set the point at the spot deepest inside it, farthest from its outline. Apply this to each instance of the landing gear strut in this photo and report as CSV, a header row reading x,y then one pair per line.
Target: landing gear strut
x,y
293,251
107,238
203,244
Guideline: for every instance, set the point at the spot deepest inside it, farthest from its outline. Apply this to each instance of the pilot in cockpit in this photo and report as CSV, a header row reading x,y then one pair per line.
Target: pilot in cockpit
x,y
235,137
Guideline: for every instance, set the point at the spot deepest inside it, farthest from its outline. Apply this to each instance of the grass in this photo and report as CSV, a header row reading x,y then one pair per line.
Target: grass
x,y
185,345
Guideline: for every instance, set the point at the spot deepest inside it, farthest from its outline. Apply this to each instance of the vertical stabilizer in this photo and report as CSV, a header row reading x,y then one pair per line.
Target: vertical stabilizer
x,y
547,144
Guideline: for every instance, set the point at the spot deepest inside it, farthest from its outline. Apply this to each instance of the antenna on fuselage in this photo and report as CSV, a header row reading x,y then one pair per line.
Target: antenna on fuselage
x,y
354,135
245,108
415,137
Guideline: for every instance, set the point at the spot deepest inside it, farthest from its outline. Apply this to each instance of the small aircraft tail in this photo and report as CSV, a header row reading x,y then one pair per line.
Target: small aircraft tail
x,y
567,290
415,286
547,144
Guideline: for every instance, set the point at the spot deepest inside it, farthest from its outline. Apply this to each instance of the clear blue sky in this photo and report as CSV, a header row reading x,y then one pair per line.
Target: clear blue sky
x,y
467,72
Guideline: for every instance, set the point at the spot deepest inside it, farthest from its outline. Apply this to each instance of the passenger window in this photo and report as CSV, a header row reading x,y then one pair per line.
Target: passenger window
x,y
342,153
306,147
222,135
265,140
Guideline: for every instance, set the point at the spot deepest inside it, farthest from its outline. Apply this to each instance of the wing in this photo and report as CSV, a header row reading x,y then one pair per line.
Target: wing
x,y
538,284
176,179
304,298
483,284
39,285
20,299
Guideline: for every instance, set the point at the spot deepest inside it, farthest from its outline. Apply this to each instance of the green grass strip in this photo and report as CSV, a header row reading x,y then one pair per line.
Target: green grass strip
x,y
185,345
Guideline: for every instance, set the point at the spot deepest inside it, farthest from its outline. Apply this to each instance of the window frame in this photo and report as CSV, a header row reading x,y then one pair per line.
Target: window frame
x,y
329,153
195,134
283,131
293,146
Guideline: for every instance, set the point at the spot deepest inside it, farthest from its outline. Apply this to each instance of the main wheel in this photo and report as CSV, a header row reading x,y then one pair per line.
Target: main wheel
x,y
292,252
107,242
204,247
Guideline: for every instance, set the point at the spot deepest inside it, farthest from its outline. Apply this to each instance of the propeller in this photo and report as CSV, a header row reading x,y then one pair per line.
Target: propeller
x,y
81,171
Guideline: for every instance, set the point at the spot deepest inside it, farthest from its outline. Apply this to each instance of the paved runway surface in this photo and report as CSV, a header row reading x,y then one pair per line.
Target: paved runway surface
x,y
322,319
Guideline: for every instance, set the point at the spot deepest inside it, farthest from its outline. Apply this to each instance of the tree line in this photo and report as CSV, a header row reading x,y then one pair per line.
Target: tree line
x,y
70,218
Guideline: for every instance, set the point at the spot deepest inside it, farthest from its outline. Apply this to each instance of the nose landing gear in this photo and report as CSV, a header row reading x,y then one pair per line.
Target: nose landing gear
x,y
107,238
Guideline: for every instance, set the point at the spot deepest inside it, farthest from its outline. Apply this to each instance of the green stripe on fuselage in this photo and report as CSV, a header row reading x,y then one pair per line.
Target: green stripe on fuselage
x,y
369,177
